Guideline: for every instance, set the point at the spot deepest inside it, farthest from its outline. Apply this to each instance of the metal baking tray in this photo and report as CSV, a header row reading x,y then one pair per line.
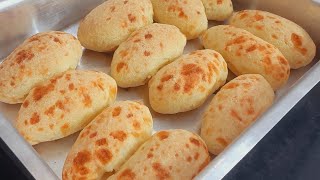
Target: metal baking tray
x,y
21,18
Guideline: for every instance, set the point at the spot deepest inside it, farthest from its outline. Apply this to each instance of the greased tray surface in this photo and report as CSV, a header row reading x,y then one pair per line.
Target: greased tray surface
x,y
305,13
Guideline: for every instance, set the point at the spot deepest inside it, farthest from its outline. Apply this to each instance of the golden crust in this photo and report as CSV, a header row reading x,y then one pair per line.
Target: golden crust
x,y
248,54
291,39
36,60
108,141
111,23
170,154
64,105
239,103
218,10
186,83
147,50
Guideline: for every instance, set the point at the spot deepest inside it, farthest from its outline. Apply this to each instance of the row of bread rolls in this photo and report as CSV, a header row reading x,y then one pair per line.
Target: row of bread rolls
x,y
118,144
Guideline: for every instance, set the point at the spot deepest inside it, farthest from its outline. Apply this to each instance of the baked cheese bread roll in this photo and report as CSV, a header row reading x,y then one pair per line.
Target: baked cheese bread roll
x,y
64,104
108,141
218,10
188,15
111,23
291,39
248,54
147,50
171,154
239,103
186,83
36,60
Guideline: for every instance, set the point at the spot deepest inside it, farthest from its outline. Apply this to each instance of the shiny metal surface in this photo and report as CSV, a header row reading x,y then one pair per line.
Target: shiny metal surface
x,y
22,18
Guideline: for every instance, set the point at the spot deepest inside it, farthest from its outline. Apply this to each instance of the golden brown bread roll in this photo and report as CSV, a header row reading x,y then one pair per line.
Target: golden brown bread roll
x,y
218,10
108,141
186,83
64,105
291,39
248,54
188,15
111,23
171,154
36,60
145,52
239,103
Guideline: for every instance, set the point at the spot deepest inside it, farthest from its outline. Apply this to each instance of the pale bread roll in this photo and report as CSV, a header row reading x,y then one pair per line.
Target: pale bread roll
x,y
108,141
111,23
218,10
239,103
291,39
188,15
171,154
248,54
37,59
186,83
64,105
147,50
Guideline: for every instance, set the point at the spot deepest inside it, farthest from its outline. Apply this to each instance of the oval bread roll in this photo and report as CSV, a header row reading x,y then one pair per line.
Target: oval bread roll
x,y
145,52
218,10
111,23
188,15
64,105
186,83
240,102
172,154
36,60
248,54
291,39
108,141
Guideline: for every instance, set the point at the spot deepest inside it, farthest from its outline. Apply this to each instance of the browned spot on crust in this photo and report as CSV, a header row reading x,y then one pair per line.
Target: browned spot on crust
x,y
277,22
60,105
136,124
131,18
86,100
148,36
137,40
127,174
235,115
182,15
166,78
125,2
163,135
116,111
40,129
160,87
196,156
121,65
93,135
34,118
119,135
104,155
282,60
231,85
112,8
25,104
80,160
194,141
189,159
176,87
129,115
251,48
149,155
50,111
259,27
161,172
68,77
57,40
258,17
219,2
222,141
191,74
62,91
101,142
274,36
297,42
24,55
243,15
51,126
41,91
187,146
220,107
64,128
147,53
